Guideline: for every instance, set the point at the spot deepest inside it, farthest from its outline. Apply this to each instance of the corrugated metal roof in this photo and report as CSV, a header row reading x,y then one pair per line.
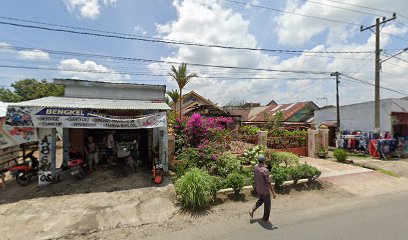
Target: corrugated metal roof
x,y
93,103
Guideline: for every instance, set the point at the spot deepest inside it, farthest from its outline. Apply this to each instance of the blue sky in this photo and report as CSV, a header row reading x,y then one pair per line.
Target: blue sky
x,y
215,22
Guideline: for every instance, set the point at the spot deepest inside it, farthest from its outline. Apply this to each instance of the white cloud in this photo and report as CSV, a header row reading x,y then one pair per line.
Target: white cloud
x,y
139,29
5,47
34,55
295,30
222,26
89,70
87,8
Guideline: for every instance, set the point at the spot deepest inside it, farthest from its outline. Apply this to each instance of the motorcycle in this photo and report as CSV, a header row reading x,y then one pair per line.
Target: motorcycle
x,y
76,166
25,171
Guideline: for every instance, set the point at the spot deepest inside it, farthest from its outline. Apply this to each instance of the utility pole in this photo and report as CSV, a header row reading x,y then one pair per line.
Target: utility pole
x,y
337,74
377,67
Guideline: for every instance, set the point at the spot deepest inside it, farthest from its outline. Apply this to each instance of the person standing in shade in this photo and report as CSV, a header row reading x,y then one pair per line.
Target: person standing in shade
x,y
264,188
92,151
110,144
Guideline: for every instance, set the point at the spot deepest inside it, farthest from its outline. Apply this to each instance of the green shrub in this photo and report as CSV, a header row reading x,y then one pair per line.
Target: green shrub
x,y
190,157
235,181
253,152
195,189
277,158
179,169
309,172
340,155
218,184
279,174
296,173
249,130
227,163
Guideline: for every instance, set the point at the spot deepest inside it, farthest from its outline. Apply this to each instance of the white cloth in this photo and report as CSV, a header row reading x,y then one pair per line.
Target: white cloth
x,y
110,141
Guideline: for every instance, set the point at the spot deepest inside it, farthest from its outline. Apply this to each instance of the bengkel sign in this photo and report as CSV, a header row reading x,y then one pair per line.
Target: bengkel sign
x,y
78,118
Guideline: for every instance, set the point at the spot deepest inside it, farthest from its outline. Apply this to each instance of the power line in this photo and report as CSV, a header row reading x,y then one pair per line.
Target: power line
x,y
361,6
343,8
108,34
155,75
293,13
171,62
372,84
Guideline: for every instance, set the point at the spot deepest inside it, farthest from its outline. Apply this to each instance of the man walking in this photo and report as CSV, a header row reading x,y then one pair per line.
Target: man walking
x,y
263,187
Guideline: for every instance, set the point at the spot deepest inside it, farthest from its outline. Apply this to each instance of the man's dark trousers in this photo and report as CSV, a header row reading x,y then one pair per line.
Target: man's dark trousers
x,y
264,199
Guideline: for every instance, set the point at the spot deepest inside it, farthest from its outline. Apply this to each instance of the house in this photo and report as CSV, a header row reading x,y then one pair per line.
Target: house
x,y
195,103
133,114
292,113
360,116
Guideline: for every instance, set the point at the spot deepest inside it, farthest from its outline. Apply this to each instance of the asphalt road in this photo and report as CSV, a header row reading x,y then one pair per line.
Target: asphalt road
x,y
380,217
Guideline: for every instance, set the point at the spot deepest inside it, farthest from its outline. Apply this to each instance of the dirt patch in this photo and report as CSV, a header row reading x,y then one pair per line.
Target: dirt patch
x,y
229,206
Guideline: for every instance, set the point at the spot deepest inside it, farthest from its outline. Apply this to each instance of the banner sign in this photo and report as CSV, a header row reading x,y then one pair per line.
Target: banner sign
x,y
79,118
14,136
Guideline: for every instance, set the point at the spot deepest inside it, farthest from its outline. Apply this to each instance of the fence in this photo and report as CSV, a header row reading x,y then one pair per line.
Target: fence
x,y
293,144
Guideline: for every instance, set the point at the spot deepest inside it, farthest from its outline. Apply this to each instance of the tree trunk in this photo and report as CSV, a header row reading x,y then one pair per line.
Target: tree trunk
x,y
181,100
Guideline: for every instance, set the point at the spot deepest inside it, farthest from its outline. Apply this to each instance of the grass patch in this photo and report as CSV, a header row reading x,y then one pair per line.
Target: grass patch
x,y
390,173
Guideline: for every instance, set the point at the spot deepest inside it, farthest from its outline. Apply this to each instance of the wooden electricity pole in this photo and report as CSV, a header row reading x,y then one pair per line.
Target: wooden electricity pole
x,y
377,66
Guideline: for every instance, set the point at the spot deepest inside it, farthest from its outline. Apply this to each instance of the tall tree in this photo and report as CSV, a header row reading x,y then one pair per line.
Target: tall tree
x,y
182,79
29,89
174,95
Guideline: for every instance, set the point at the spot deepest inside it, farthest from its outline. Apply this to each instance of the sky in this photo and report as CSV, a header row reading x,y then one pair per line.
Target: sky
x,y
308,27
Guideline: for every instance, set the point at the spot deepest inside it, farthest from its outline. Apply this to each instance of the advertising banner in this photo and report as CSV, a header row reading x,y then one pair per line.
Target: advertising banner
x,y
14,136
79,118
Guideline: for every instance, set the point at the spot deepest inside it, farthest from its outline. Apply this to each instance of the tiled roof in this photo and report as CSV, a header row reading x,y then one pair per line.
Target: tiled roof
x,y
93,103
258,114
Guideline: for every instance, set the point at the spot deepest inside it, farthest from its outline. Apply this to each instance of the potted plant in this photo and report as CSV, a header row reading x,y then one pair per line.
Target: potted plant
x,y
322,153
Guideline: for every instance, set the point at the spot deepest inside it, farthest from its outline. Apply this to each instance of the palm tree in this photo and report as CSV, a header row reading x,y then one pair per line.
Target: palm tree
x,y
182,78
174,95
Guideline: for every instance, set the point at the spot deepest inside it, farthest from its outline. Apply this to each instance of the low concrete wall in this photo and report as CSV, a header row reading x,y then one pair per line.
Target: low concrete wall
x,y
301,152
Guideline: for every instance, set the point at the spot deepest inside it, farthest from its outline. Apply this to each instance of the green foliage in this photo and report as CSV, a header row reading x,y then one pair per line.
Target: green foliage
x,y
195,189
279,174
277,158
235,181
309,172
182,78
174,95
190,157
296,173
251,155
340,155
228,163
249,130
29,89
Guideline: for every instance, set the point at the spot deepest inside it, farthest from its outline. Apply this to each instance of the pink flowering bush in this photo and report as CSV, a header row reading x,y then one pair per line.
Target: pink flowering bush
x,y
202,142
200,130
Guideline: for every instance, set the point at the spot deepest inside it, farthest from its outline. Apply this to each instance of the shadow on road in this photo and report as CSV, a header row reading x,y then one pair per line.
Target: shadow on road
x,y
268,226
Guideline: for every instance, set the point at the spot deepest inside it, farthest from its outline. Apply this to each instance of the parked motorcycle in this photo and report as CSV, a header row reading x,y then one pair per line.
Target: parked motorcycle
x,y
76,165
25,171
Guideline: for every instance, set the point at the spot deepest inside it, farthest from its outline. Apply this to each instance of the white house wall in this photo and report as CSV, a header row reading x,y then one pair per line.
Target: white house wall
x,y
123,93
357,116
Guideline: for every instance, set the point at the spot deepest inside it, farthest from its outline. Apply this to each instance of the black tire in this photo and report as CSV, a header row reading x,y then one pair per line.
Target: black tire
x,y
81,173
23,178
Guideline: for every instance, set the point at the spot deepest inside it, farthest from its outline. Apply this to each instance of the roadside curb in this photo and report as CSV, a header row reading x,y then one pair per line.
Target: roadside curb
x,y
286,183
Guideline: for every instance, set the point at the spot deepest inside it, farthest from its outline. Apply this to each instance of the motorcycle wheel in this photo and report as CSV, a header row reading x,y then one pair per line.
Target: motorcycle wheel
x,y
81,173
23,178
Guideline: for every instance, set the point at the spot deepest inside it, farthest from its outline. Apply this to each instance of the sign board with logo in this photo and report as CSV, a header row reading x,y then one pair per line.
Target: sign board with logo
x,y
79,118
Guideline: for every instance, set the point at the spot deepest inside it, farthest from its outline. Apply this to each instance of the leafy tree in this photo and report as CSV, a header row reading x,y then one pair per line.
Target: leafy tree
x,y
182,79
8,96
29,89
174,96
